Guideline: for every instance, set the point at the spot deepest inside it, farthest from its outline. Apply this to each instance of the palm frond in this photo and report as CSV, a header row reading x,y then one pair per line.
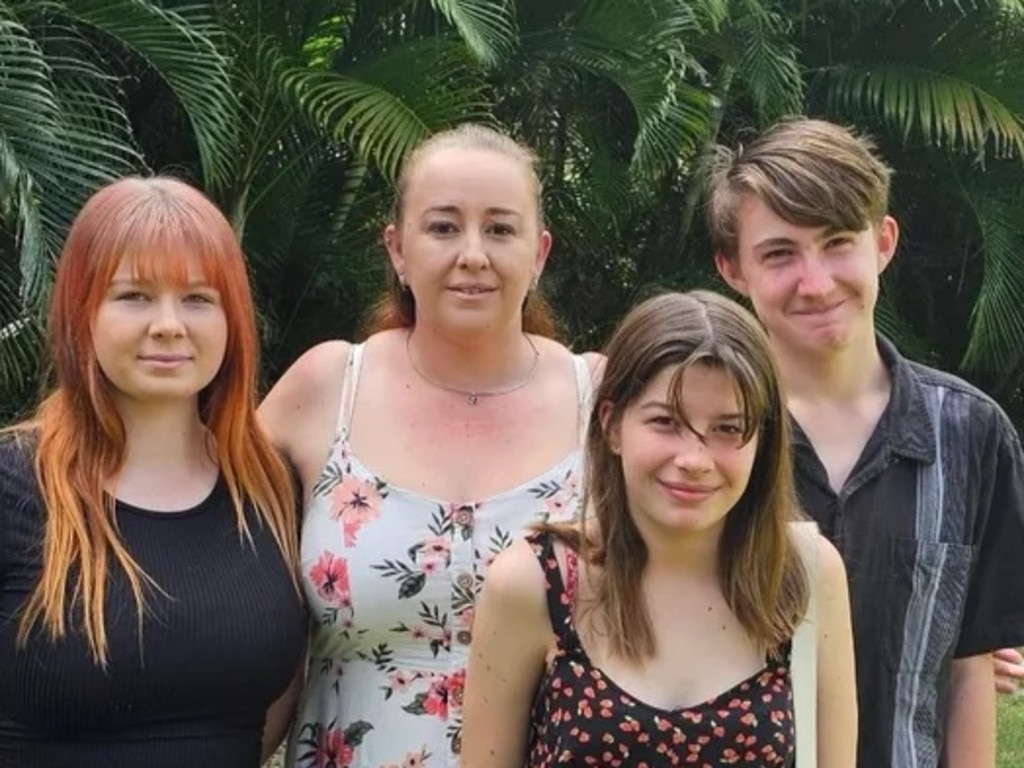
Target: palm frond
x,y
382,107
185,47
944,109
997,320
487,26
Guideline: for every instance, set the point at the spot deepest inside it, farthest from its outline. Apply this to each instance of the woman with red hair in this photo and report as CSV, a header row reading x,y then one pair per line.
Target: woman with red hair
x,y
148,526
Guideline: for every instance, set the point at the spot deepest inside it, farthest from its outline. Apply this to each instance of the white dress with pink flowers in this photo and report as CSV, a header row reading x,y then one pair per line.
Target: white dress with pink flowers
x,y
391,577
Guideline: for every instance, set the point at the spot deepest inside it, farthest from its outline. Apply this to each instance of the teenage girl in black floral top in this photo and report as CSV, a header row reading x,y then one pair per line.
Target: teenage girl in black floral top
x,y
656,631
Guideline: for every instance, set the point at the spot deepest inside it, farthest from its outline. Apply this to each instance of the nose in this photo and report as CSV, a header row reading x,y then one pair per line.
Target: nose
x,y
167,320
815,278
692,454
473,252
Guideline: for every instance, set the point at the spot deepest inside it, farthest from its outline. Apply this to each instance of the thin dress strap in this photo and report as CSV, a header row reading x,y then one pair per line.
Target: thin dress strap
x,y
584,395
349,386
558,597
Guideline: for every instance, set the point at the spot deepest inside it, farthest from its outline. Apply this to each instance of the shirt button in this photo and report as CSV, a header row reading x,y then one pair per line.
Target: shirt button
x,y
464,580
464,637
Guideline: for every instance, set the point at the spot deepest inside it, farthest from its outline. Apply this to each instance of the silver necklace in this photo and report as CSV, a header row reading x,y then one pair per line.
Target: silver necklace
x,y
473,396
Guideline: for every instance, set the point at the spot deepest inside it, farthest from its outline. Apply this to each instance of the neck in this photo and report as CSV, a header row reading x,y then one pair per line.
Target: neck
x,y
482,364
164,435
844,374
692,554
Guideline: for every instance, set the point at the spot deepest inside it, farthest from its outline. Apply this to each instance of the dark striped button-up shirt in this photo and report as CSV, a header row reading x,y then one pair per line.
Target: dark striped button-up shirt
x,y
930,524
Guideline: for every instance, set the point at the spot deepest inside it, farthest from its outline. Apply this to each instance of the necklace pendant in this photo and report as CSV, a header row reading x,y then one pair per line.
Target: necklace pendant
x,y
472,398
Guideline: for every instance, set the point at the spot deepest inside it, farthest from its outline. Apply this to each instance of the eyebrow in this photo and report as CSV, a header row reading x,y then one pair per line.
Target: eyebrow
x,y
660,405
454,209
120,281
776,242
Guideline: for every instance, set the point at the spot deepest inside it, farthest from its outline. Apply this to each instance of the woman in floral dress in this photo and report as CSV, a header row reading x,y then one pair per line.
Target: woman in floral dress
x,y
426,451
655,630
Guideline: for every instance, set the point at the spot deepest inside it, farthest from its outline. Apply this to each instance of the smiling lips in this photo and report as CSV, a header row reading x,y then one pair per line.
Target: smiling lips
x,y
817,311
472,290
165,359
688,492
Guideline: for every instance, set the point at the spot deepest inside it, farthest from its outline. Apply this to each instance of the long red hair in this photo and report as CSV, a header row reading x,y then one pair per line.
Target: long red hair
x,y
78,433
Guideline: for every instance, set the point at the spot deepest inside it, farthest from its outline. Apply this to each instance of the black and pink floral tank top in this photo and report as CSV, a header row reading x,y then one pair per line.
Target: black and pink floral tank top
x,y
581,717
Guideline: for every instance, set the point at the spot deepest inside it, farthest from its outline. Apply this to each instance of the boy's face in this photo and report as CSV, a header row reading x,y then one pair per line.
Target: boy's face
x,y
814,289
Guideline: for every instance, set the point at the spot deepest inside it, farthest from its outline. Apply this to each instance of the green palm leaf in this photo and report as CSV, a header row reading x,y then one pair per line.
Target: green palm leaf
x,y
185,47
384,106
997,320
486,26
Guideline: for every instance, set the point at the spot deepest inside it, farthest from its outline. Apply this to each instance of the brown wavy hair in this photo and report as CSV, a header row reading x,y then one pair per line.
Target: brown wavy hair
x,y
761,573
77,433
396,308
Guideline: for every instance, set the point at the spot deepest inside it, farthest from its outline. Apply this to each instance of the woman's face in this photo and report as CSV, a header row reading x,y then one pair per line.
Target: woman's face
x,y
469,243
681,479
157,342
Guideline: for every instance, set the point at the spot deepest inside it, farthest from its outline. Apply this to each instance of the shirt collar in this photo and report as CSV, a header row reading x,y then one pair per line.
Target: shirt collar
x,y
906,424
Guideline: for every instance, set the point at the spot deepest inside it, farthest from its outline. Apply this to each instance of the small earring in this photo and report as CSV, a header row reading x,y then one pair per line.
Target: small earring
x,y
401,282
535,282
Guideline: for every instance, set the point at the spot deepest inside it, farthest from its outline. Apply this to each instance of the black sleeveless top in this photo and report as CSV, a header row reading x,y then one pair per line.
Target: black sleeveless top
x,y
219,644
581,717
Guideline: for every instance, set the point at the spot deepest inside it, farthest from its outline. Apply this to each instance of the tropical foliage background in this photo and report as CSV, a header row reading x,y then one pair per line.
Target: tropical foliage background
x,y
294,114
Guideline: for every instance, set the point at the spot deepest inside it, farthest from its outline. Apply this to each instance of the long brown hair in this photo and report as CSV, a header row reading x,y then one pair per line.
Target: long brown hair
x,y
77,432
396,308
762,576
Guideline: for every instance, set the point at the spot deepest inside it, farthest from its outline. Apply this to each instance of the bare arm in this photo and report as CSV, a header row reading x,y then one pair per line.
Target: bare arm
x,y
511,637
300,412
971,718
280,714
837,683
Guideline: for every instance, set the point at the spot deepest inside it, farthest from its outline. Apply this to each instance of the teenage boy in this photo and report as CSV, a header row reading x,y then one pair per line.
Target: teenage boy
x,y
916,476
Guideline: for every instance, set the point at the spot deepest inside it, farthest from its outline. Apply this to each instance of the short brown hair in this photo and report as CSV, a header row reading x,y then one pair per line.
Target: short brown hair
x,y
811,173
760,571
396,308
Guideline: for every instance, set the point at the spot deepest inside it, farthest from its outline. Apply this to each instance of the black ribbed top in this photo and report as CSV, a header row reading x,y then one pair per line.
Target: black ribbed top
x,y
216,650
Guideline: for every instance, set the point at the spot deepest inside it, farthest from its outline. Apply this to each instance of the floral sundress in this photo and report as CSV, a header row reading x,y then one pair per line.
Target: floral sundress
x,y
391,577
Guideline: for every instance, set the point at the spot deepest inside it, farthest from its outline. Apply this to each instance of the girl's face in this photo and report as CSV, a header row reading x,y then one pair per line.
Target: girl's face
x,y
156,342
683,480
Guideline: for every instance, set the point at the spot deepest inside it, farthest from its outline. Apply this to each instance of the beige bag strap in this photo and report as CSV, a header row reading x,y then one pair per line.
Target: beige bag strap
x,y
803,667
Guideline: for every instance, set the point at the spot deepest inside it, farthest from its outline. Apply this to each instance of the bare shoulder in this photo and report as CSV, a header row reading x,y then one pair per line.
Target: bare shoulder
x,y
300,411
515,578
830,562
308,381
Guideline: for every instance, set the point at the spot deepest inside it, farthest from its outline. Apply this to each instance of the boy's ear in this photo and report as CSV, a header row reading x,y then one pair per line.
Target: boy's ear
x,y
887,237
730,271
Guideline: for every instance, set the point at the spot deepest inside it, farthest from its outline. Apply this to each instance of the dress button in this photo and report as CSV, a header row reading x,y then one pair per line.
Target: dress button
x,y
464,637
464,580
464,516
457,745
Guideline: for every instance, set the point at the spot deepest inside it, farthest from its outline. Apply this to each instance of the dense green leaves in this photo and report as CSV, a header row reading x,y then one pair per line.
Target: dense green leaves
x,y
295,115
